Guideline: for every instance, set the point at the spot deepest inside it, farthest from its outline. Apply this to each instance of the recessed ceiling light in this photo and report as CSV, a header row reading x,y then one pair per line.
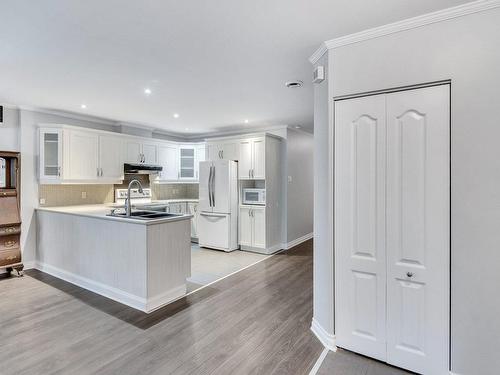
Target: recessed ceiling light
x,y
147,91
297,126
294,84
176,115
186,128
246,121
83,106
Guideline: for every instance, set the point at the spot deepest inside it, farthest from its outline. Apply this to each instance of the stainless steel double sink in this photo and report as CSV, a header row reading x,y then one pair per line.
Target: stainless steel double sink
x,y
144,215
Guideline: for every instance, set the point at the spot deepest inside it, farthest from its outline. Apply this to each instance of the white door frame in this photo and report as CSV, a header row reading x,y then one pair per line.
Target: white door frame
x,y
331,188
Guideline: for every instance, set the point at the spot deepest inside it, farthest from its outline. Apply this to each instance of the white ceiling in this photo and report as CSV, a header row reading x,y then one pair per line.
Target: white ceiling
x,y
216,63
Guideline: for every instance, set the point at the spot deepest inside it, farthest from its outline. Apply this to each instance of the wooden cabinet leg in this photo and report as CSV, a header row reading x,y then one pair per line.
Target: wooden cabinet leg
x,y
17,271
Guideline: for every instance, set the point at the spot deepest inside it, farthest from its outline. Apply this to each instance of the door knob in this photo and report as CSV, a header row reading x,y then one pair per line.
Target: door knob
x,y
409,274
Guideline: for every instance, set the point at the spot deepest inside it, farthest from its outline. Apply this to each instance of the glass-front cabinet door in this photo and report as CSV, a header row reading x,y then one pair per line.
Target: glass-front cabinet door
x,y
187,160
50,154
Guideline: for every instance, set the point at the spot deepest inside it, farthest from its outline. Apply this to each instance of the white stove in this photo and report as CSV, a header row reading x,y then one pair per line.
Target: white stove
x,y
135,197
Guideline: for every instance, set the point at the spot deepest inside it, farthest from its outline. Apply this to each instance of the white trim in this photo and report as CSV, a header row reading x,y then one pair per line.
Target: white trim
x,y
327,339
297,241
260,250
454,373
157,302
318,363
115,294
29,265
407,24
136,302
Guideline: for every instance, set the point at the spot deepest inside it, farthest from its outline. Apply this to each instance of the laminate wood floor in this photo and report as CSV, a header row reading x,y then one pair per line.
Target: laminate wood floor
x,y
344,362
254,322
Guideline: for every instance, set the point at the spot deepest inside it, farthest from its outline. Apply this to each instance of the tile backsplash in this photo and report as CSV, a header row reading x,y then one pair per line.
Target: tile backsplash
x,y
70,195
174,191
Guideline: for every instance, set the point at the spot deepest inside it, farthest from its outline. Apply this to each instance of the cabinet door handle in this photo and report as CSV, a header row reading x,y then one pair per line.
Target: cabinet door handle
x,y
252,174
102,172
97,172
222,154
59,171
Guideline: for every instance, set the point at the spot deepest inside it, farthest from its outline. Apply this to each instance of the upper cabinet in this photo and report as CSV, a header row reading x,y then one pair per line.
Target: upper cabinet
x,y
81,155
168,158
111,157
139,151
252,158
227,150
50,156
187,162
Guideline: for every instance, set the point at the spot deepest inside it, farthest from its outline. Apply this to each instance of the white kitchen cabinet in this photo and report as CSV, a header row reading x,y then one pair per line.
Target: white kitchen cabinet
x,y
252,159
177,208
227,150
111,157
168,158
50,154
192,209
187,156
81,155
138,151
150,152
253,227
133,151
199,156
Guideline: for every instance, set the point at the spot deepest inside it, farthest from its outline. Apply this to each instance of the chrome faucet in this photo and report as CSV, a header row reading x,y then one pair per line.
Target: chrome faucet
x,y
128,206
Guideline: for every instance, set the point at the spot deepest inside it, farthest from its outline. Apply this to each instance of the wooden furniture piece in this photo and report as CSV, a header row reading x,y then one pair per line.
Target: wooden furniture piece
x,y
10,212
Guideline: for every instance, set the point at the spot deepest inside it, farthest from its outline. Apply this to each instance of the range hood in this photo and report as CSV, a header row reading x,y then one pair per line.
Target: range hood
x,y
130,168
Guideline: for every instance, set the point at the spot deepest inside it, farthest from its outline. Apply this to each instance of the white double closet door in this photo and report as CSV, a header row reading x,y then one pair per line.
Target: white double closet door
x,y
392,227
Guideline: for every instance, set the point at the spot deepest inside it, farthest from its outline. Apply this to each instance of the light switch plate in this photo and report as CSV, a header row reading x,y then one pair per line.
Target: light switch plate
x,y
289,178
42,200
84,195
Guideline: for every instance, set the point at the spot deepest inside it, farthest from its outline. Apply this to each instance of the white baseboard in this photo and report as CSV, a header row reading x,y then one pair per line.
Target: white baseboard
x,y
163,299
327,339
29,265
298,241
136,302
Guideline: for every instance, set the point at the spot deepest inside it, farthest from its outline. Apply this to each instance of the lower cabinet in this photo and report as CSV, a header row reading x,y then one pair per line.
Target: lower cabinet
x,y
193,210
253,226
177,208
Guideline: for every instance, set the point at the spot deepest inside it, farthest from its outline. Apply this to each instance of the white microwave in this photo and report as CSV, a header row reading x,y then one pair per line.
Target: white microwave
x,y
254,196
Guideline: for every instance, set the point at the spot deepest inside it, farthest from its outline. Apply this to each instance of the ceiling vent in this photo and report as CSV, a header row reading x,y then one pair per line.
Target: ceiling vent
x,y
294,84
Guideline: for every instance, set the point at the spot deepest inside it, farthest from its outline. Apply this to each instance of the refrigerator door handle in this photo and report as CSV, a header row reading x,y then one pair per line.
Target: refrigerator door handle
x,y
213,187
212,214
210,187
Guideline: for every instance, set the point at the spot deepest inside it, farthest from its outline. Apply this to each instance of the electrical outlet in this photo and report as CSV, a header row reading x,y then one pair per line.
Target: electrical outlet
x,y
42,200
84,195
289,179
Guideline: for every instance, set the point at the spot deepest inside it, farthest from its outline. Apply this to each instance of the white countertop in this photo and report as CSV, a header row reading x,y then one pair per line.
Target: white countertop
x,y
100,211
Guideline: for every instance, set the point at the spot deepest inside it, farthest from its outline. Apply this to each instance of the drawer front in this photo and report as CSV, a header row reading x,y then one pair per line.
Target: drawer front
x,y
8,257
9,242
6,231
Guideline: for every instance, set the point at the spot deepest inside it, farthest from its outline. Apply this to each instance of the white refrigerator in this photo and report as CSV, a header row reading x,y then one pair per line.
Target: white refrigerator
x,y
218,206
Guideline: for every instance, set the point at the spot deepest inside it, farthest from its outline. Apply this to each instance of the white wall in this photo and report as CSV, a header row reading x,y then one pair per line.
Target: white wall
x,y
466,51
9,130
323,255
300,191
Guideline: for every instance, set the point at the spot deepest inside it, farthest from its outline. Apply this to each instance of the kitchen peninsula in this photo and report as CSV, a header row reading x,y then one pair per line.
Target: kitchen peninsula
x,y
140,263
